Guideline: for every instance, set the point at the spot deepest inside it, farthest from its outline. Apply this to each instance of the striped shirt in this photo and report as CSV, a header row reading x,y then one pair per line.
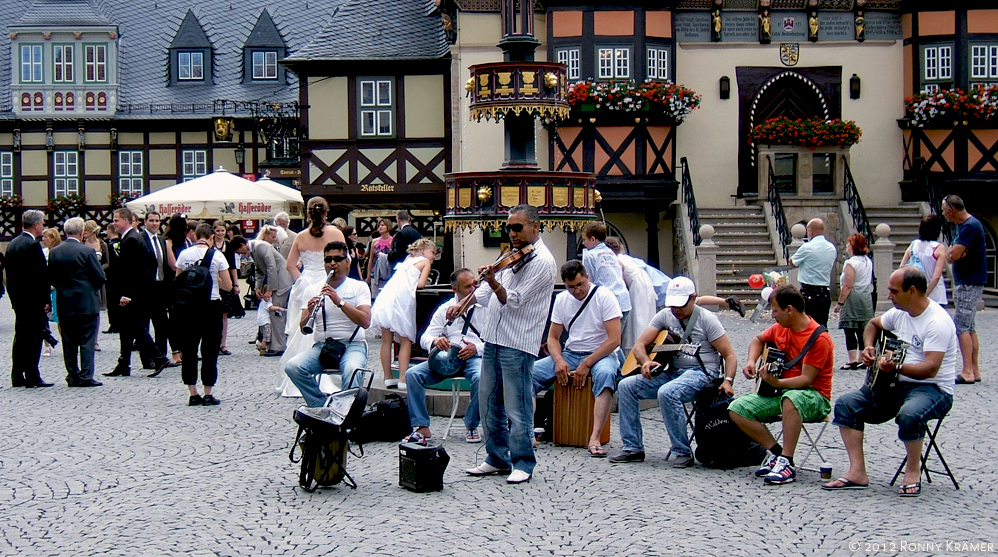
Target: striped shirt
x,y
519,323
604,270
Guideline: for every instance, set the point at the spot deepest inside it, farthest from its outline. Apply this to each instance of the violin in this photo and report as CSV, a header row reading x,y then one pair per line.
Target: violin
x,y
506,259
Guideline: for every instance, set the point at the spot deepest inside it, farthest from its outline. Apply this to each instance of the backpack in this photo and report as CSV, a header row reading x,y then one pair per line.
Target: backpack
x,y
720,443
915,260
323,438
385,420
192,287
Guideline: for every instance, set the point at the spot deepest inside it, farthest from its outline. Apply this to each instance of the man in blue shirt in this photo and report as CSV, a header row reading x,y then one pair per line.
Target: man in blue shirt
x,y
815,259
970,273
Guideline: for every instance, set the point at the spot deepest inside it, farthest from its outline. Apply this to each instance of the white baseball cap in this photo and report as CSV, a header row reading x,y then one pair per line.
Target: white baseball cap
x,y
678,293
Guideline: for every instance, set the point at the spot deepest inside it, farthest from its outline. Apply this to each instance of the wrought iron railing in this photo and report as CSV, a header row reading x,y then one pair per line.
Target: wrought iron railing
x,y
691,201
855,204
779,216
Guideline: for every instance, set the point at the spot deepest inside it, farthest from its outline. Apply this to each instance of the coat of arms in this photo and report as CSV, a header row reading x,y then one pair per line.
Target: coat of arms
x,y
789,53
223,129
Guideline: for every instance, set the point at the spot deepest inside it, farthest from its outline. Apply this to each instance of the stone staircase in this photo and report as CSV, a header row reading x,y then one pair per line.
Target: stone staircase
x,y
903,220
744,242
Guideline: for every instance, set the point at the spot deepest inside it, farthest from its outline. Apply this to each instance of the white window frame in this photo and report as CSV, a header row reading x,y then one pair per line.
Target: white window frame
x,y
658,63
983,61
95,56
571,58
194,163
32,70
193,63
6,173
67,173
613,62
264,64
62,63
131,178
937,67
376,108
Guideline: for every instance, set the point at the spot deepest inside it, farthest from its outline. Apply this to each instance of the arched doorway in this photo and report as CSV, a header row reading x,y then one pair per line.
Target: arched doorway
x,y
766,93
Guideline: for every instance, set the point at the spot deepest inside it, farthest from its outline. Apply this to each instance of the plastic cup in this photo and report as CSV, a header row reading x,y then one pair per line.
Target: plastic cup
x,y
826,471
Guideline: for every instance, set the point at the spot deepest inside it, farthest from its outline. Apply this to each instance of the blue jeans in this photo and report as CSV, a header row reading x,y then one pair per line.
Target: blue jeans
x,y
913,406
419,376
604,373
673,389
506,401
303,368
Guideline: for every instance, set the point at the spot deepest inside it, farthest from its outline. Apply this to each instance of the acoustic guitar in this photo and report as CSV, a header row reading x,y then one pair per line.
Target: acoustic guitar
x,y
661,350
776,360
886,383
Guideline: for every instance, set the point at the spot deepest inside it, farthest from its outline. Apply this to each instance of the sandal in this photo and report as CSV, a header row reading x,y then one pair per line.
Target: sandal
x,y
472,436
224,352
846,483
597,451
910,490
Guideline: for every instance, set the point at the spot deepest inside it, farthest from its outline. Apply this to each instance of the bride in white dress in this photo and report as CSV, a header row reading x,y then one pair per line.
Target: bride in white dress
x,y
306,249
394,310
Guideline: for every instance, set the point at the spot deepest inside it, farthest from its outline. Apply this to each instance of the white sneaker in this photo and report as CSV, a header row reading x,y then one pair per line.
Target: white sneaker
x,y
484,469
391,383
402,387
517,477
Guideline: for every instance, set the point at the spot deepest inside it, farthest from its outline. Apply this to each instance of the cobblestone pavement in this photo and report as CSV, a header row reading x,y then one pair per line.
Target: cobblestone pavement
x,y
129,469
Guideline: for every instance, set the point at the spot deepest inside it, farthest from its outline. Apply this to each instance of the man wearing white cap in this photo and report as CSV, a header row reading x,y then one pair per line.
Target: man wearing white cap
x,y
679,384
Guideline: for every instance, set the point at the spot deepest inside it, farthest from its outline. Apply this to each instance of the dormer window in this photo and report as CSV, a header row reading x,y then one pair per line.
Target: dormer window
x,y
96,62
264,64
190,66
31,63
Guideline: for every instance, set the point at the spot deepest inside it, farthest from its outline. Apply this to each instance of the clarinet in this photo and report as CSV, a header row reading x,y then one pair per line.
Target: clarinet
x,y
309,325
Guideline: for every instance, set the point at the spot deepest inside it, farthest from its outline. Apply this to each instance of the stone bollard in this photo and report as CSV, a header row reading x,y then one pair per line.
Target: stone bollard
x,y
798,231
707,261
883,263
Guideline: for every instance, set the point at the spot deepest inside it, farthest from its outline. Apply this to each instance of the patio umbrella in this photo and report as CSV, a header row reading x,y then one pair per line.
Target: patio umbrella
x,y
220,195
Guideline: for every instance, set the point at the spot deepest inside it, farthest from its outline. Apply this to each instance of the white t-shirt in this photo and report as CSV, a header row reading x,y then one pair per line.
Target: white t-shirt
x,y
925,254
862,266
337,325
193,256
708,328
588,332
932,331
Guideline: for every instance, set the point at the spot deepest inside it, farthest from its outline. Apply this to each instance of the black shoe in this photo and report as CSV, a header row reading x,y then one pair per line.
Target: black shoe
x,y
224,352
111,331
272,353
195,400
40,383
119,372
210,400
160,367
735,303
87,383
17,382
628,456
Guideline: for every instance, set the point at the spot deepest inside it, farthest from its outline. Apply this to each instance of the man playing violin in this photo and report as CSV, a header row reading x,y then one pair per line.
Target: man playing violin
x,y
516,299
680,383
591,316
926,380
805,389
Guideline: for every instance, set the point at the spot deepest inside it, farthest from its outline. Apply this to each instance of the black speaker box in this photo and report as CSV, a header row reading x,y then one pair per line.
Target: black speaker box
x,y
421,468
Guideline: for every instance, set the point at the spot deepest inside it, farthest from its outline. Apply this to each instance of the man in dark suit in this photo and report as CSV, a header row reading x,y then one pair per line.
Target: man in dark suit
x,y
406,235
28,284
134,276
77,277
162,274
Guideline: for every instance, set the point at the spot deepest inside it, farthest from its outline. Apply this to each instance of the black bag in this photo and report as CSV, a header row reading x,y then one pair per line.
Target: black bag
x,y
192,287
720,443
332,350
323,438
386,420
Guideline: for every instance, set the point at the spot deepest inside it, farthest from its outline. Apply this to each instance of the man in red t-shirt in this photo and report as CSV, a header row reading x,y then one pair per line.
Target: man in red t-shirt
x,y
806,388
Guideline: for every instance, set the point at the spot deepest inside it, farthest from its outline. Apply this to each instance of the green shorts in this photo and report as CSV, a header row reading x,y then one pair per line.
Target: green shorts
x,y
810,404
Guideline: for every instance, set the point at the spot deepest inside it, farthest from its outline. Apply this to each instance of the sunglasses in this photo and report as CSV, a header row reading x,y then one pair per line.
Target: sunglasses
x,y
336,258
514,227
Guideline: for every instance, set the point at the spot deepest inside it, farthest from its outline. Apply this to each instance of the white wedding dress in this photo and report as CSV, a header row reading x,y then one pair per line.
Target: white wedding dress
x,y
314,272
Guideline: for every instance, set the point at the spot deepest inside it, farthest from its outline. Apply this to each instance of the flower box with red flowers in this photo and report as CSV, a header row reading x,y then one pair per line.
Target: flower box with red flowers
x,y
812,133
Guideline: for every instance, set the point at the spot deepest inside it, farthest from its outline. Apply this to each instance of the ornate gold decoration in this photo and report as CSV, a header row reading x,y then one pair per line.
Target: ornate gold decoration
x,y
464,197
559,196
550,80
536,196
484,194
579,198
504,80
451,194
498,112
469,85
529,78
598,196
483,82
456,225
509,196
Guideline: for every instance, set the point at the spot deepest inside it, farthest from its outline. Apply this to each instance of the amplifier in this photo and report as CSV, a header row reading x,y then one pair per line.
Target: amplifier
x,y
421,468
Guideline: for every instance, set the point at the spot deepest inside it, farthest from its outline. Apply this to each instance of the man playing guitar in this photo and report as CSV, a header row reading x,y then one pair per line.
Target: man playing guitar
x,y
927,375
806,386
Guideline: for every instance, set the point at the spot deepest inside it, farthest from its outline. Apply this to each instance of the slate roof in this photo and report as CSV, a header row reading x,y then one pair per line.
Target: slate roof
x,y
190,34
265,33
395,29
386,30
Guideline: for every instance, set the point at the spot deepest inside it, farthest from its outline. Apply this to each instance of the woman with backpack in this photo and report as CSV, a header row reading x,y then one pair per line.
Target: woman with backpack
x,y
929,255
855,307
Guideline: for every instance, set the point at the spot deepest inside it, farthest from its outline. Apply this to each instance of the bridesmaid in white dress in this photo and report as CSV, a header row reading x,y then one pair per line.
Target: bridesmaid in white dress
x,y
307,249
394,310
